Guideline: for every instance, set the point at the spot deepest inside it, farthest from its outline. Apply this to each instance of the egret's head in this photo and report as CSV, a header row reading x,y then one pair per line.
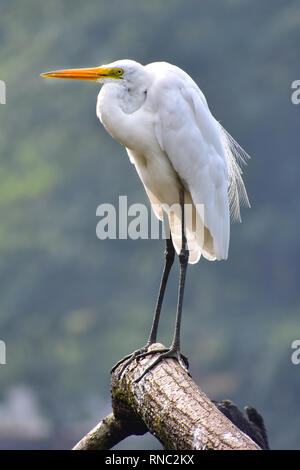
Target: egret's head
x,y
123,71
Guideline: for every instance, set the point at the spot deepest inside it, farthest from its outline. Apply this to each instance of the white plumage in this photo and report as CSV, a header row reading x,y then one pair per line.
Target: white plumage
x,y
180,152
162,118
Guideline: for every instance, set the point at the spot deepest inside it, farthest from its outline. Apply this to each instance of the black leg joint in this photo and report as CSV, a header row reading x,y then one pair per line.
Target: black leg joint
x,y
169,252
184,256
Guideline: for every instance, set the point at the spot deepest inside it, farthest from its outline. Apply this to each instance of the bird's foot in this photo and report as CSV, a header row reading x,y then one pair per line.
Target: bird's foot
x,y
173,353
129,359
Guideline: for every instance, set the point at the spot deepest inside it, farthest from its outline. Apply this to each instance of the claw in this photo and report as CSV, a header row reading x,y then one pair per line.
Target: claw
x,y
120,362
128,360
164,354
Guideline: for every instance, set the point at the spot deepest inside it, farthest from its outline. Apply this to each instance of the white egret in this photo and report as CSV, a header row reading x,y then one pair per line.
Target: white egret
x,y
182,155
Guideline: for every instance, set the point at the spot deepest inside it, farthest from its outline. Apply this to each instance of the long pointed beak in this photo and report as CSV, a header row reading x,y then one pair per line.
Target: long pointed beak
x,y
93,73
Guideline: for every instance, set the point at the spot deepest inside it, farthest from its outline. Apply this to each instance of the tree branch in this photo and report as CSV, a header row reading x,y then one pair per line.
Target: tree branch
x,y
105,435
168,404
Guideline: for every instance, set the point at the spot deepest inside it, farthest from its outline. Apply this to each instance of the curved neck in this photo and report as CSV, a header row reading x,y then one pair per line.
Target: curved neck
x,y
116,106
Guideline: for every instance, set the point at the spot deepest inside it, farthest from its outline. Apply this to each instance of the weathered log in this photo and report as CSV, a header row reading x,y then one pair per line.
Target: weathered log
x,y
168,404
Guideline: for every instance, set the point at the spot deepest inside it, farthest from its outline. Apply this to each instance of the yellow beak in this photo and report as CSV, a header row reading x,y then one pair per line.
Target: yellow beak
x,y
94,73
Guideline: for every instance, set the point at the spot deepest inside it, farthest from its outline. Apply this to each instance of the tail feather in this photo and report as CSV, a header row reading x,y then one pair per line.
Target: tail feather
x,y
236,157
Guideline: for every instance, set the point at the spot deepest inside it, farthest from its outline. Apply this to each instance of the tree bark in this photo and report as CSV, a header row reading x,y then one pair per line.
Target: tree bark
x,y
105,435
167,403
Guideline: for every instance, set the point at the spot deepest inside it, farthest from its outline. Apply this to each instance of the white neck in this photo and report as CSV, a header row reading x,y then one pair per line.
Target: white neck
x,y
116,100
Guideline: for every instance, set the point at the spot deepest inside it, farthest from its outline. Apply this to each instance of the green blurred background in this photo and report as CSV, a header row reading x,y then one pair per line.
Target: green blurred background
x,y
72,305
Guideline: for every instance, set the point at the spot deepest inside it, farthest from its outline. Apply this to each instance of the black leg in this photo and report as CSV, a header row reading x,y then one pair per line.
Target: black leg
x,y
183,260
169,260
169,256
174,350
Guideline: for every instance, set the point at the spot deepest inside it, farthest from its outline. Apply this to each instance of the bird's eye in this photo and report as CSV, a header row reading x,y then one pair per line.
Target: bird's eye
x,y
119,72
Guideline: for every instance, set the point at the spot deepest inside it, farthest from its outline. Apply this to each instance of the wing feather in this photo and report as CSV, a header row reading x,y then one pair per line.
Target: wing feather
x,y
206,158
